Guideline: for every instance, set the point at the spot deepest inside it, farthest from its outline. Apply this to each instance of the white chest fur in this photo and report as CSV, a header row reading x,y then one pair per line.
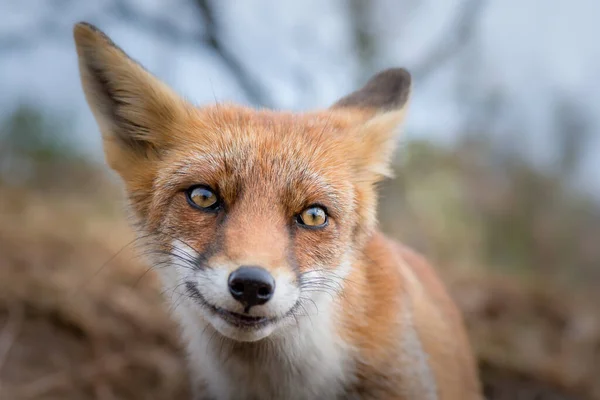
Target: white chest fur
x,y
306,361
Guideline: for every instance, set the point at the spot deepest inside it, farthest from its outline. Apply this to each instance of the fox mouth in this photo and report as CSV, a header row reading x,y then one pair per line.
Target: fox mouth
x,y
242,321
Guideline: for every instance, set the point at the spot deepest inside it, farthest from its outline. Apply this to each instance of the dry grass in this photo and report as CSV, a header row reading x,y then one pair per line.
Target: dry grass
x,y
75,323
78,322
533,338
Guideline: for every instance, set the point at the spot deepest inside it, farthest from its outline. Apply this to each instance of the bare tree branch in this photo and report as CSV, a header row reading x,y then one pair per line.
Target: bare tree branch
x,y
123,10
209,38
453,40
208,35
42,30
365,42
212,39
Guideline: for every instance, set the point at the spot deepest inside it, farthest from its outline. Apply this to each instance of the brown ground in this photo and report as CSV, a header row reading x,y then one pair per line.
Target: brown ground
x,y
78,323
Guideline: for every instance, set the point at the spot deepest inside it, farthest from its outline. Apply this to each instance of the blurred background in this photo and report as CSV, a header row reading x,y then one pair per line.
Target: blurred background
x,y
498,175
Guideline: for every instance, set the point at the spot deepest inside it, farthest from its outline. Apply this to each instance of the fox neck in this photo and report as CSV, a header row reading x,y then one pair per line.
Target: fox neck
x,y
309,356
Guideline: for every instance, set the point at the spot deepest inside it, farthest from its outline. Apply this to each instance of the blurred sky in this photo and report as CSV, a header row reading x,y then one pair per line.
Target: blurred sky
x,y
528,53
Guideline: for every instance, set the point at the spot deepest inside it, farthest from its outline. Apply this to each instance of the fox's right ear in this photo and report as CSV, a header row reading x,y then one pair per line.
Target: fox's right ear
x,y
381,104
134,110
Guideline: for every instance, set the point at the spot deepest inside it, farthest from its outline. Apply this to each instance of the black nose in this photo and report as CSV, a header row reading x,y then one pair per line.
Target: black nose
x,y
251,286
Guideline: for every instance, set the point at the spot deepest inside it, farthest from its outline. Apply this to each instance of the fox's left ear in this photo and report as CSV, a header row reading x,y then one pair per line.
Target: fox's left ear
x,y
135,111
380,106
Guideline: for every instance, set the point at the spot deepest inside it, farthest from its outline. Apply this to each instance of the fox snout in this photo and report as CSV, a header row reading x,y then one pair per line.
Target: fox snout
x,y
244,303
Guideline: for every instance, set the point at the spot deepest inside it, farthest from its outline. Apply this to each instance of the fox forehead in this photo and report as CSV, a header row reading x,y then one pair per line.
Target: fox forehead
x,y
300,157
237,132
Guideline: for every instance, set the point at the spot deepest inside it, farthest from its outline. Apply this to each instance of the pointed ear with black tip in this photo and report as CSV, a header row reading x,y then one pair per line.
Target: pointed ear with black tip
x,y
134,110
381,104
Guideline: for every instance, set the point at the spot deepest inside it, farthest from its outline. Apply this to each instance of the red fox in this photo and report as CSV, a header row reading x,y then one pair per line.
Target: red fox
x,y
264,223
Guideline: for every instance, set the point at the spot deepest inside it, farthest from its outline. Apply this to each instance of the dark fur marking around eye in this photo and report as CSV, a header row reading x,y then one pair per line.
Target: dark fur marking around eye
x,y
291,257
215,246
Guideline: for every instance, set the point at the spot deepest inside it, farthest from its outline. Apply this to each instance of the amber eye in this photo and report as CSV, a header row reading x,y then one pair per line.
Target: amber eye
x,y
314,217
203,198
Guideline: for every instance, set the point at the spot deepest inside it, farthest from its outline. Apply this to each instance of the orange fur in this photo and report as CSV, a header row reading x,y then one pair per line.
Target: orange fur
x,y
386,330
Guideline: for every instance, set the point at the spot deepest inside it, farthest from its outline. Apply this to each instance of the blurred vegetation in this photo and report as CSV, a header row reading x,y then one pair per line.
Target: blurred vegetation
x,y
35,150
474,206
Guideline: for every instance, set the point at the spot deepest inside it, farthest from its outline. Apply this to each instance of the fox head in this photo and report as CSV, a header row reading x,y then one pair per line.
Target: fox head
x,y
252,215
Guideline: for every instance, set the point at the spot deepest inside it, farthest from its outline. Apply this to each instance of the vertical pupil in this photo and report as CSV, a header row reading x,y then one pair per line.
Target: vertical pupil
x,y
203,195
314,215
